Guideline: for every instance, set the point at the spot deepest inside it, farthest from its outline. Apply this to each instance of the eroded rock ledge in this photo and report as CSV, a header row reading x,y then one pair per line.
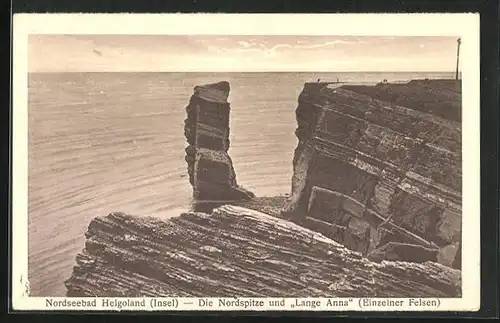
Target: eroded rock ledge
x,y
236,251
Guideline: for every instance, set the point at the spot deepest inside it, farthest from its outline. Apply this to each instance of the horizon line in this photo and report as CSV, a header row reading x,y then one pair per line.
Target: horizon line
x,y
358,71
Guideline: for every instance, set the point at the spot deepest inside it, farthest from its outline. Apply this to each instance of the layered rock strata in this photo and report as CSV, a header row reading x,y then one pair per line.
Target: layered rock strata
x,y
235,252
379,165
210,168
376,194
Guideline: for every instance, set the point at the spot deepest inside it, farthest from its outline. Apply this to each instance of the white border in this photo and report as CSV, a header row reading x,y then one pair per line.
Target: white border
x,y
465,26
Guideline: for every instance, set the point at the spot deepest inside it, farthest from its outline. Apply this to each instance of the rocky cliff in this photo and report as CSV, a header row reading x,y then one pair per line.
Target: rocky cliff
x,y
210,168
374,210
378,168
234,252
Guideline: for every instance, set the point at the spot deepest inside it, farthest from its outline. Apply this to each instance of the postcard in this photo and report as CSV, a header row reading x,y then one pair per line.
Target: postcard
x,y
237,162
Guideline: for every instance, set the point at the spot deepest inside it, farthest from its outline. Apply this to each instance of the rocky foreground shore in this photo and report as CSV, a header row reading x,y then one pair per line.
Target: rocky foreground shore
x,y
236,251
374,209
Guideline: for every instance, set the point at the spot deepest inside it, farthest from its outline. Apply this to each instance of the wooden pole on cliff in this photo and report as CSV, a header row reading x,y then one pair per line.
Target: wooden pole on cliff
x,y
458,57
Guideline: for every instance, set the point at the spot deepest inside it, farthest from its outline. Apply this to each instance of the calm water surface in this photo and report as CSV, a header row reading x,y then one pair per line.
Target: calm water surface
x,y
106,142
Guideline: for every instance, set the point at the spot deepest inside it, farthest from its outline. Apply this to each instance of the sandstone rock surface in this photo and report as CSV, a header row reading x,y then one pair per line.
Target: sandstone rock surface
x,y
210,168
234,252
380,164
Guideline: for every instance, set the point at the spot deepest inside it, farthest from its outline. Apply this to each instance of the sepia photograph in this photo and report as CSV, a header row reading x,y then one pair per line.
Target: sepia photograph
x,y
230,165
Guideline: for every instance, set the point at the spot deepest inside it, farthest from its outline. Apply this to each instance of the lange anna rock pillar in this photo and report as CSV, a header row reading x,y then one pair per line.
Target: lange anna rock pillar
x,y
210,168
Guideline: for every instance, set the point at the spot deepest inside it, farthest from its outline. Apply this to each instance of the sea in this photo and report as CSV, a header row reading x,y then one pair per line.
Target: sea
x,y
107,142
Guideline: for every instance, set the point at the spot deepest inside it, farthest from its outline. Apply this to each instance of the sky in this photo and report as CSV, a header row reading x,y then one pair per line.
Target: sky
x,y
178,53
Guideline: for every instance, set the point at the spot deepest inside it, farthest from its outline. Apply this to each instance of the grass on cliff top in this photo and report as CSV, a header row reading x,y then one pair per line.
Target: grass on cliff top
x,y
437,97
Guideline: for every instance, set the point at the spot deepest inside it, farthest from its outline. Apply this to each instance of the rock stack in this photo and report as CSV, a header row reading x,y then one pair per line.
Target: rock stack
x,y
210,168
378,168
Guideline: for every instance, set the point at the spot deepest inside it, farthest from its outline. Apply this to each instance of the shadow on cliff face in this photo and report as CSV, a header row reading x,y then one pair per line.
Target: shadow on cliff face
x,y
205,207
378,168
